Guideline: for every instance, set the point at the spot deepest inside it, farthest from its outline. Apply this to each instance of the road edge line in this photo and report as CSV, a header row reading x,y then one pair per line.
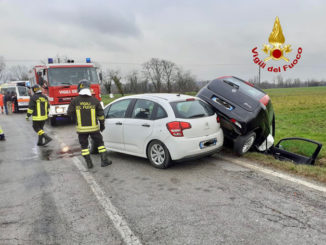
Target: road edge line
x,y
119,223
275,173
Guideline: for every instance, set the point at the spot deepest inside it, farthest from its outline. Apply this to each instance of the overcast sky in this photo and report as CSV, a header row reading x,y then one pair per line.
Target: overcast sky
x,y
209,38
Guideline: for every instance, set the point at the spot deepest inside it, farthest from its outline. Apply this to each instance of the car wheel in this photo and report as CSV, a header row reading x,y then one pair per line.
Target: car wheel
x,y
92,147
243,143
158,154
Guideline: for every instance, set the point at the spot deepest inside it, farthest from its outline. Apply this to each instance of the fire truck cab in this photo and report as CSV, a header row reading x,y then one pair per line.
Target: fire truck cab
x,y
59,82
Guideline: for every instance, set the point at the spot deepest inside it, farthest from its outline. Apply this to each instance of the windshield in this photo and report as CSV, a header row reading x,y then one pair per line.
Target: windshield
x,y
72,75
22,91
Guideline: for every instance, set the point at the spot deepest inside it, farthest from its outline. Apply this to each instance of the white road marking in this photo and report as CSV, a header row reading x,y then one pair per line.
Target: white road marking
x,y
120,224
275,173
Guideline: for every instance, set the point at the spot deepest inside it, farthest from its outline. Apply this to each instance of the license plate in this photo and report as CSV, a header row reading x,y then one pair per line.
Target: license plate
x,y
207,143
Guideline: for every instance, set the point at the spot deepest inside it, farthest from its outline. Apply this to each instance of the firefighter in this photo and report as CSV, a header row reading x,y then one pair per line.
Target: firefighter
x,y
88,112
38,108
2,135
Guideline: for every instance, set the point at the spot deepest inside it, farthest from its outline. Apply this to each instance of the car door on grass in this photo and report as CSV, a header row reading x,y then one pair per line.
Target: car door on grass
x,y
114,124
139,126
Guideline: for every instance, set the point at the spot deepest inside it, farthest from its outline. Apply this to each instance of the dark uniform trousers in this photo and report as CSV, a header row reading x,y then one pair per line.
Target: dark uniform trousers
x,y
38,127
97,138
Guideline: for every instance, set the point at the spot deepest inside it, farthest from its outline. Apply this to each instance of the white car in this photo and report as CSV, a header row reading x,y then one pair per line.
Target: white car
x,y
162,127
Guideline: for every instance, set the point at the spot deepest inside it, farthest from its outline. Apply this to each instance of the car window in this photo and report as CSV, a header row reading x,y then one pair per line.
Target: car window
x,y
160,113
244,87
118,109
191,109
143,109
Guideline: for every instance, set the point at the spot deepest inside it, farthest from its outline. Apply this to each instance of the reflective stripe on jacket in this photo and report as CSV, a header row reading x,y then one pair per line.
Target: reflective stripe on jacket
x,y
88,111
38,107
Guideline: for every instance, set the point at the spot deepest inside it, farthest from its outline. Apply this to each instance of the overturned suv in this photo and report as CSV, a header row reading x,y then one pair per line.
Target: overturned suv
x,y
246,113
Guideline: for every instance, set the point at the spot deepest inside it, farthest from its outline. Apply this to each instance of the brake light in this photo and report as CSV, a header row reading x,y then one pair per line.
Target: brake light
x,y
218,120
264,100
176,128
236,122
190,99
250,84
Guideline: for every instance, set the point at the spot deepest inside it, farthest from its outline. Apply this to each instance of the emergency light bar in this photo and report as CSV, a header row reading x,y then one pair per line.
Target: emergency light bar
x,y
88,60
50,60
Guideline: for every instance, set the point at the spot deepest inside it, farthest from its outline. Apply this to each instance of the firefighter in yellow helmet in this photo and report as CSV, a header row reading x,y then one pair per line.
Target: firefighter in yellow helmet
x,y
90,121
38,108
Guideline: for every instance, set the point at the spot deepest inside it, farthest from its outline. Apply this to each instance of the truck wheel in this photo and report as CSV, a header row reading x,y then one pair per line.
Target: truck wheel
x,y
92,147
242,144
53,121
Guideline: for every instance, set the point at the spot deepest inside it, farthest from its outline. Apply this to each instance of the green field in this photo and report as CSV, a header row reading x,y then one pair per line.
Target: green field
x,y
299,112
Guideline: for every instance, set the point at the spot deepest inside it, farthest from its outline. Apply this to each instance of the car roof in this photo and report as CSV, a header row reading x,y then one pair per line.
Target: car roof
x,y
160,96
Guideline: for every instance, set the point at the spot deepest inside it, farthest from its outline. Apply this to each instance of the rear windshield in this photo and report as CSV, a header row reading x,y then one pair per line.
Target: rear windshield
x,y
191,109
244,87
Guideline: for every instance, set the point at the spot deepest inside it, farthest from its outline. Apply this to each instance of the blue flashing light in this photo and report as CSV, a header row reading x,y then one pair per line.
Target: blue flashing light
x,y
50,60
88,60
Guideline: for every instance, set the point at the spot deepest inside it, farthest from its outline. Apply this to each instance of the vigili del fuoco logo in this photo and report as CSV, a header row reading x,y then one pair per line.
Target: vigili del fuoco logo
x,y
276,51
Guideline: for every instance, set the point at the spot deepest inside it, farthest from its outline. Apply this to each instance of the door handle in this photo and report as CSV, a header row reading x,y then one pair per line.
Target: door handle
x,y
146,125
118,123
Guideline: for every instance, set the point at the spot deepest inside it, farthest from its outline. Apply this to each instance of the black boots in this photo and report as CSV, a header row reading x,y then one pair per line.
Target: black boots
x,y
105,160
40,140
88,161
46,138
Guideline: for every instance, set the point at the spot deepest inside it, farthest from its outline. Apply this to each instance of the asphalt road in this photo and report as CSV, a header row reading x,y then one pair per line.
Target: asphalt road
x,y
46,199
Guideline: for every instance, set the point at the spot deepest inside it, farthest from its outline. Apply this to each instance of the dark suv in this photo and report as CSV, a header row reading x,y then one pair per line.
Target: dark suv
x,y
246,112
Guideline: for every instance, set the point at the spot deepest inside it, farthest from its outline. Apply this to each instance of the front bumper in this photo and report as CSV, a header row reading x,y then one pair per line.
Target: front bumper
x,y
184,148
58,110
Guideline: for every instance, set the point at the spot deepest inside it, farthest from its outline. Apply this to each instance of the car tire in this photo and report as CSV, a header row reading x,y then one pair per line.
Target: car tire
x,y
92,147
242,144
158,154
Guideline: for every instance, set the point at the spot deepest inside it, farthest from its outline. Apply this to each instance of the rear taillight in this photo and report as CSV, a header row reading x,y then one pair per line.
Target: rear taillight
x,y
218,119
176,128
236,122
264,100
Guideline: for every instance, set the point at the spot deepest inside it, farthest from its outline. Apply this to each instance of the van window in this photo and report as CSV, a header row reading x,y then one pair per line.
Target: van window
x,y
22,91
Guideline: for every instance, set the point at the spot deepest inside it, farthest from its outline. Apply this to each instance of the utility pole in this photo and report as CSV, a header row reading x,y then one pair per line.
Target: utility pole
x,y
259,75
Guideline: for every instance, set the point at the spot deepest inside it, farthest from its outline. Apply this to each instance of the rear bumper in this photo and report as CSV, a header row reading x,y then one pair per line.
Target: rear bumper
x,y
183,148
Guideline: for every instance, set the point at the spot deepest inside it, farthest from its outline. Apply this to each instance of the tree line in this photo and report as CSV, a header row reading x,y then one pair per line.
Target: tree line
x,y
280,82
156,75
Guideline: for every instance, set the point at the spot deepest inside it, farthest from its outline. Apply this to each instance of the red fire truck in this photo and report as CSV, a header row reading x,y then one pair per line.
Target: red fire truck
x,y
59,82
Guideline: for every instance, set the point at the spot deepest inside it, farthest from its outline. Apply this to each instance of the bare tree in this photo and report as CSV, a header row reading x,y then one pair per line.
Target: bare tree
x,y
153,72
115,76
169,71
107,81
18,72
185,82
132,82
